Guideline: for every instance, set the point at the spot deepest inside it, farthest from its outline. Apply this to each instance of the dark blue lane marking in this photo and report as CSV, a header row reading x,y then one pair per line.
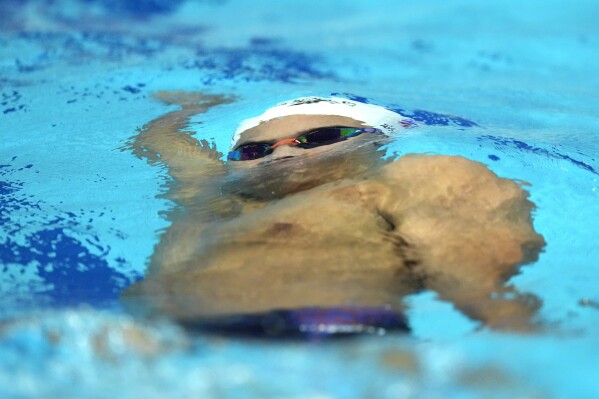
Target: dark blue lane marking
x,y
11,99
432,118
419,115
259,61
110,9
139,8
64,262
75,47
503,142
75,274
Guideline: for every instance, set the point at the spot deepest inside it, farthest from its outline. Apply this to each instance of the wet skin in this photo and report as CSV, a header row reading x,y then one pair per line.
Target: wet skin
x,y
333,226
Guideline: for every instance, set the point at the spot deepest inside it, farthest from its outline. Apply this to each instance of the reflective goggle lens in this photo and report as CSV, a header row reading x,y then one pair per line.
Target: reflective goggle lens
x,y
330,135
315,138
249,152
320,137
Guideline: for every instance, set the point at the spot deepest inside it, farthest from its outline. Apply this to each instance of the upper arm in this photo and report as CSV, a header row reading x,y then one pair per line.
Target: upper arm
x,y
463,219
469,231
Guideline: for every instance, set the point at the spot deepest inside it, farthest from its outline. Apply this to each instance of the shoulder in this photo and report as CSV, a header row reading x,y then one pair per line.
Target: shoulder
x,y
433,165
441,169
435,177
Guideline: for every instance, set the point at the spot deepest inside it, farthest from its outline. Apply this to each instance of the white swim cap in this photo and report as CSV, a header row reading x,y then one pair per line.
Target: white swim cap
x,y
373,115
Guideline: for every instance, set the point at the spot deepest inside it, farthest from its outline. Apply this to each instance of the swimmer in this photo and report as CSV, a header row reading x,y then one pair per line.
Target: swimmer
x,y
306,218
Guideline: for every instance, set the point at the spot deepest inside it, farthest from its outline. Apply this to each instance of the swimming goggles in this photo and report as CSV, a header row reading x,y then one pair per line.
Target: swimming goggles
x,y
311,139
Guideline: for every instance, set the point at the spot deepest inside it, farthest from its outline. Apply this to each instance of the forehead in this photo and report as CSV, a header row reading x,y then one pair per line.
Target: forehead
x,y
292,125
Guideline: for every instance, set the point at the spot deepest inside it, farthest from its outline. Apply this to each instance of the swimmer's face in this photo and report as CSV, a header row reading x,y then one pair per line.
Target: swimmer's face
x,y
287,128
291,168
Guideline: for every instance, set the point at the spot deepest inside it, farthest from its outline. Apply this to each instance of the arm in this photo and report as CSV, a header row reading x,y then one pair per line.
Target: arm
x,y
191,163
196,170
471,231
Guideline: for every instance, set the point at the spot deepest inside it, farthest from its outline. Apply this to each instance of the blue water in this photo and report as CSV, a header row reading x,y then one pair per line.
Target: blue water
x,y
513,84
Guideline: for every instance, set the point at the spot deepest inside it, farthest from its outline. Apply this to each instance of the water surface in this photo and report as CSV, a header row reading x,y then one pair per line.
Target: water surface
x,y
506,83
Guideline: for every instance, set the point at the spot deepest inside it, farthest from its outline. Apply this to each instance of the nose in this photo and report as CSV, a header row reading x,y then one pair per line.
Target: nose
x,y
285,148
291,142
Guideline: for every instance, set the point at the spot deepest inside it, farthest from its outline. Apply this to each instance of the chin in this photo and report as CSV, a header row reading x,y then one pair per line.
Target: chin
x,y
277,178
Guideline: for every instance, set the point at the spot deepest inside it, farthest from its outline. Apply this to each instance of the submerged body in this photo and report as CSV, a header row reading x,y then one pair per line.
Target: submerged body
x,y
340,227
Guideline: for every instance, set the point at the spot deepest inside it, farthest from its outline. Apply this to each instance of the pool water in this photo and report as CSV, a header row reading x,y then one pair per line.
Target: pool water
x,y
508,83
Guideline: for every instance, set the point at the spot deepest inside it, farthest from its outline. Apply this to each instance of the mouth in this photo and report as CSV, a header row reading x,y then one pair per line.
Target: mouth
x,y
306,323
278,160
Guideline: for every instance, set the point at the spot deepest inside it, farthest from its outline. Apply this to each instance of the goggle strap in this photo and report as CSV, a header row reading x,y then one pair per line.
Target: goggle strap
x,y
286,141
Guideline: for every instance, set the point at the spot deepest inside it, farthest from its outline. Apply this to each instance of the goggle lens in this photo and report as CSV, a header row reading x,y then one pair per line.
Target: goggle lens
x,y
249,152
315,138
320,137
